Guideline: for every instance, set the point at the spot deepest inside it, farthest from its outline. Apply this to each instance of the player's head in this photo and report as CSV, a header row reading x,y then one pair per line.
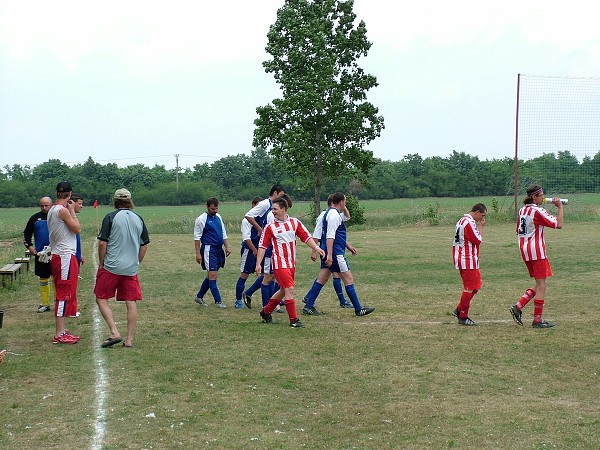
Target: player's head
x,y
282,203
337,198
277,189
479,207
212,206
287,199
77,201
330,200
122,199
63,190
256,200
535,194
45,204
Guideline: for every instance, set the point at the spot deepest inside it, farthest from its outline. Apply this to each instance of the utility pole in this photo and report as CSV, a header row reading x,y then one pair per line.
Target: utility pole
x,y
177,171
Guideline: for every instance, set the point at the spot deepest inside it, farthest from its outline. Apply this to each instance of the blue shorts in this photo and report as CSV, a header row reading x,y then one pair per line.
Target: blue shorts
x,y
338,264
214,255
248,264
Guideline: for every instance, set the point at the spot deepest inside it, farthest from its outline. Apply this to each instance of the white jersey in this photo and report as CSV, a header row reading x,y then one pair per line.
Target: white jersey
x,y
62,240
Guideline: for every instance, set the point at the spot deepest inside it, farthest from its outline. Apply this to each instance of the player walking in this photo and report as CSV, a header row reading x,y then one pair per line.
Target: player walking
x,y
530,230
465,253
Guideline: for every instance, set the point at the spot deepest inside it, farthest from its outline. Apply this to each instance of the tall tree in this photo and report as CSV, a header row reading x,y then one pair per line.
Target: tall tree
x,y
322,123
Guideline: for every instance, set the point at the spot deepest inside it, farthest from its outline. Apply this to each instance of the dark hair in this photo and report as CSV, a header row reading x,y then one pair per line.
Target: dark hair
x,y
479,207
329,199
76,197
282,202
212,201
530,190
123,203
256,200
337,197
276,188
287,199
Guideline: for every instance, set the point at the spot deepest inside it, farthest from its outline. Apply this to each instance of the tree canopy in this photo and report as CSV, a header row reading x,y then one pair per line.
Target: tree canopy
x,y
323,122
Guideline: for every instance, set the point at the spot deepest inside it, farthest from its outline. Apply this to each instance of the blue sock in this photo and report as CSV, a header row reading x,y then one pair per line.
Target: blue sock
x,y
337,287
214,290
265,293
239,288
255,286
353,296
312,295
274,287
203,289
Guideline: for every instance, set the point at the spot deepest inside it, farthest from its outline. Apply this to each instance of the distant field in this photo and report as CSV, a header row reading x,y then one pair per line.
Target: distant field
x,y
405,377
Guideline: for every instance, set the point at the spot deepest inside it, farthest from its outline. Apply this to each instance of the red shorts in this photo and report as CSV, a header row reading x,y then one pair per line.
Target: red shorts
x,y
125,287
539,269
65,272
471,279
284,277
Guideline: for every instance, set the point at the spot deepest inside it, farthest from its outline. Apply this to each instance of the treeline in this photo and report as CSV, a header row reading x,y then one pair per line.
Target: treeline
x,y
241,177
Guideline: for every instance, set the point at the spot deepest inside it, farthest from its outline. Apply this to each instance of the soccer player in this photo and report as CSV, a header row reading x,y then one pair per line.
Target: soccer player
x,y
337,281
63,225
122,244
77,206
465,253
530,230
258,218
35,238
281,234
250,238
209,238
333,242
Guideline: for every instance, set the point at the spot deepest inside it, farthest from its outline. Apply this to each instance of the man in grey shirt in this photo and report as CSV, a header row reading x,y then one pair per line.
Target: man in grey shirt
x,y
122,244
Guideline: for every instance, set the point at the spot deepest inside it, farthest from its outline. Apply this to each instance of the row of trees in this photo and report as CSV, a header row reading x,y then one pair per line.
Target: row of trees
x,y
240,177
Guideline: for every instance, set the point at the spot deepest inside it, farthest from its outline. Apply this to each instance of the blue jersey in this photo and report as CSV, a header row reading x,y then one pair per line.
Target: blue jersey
x,y
333,227
249,232
260,212
210,230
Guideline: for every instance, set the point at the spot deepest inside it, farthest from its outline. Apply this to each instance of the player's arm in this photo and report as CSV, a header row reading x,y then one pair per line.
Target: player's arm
x,y
142,252
329,259
198,254
68,216
559,213
101,252
226,243
27,236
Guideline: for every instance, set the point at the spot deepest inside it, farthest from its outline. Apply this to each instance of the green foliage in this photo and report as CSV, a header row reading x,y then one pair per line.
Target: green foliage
x,y
357,212
433,214
322,122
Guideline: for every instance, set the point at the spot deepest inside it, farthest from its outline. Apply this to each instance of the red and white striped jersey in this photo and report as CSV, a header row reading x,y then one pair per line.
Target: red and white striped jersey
x,y
530,229
283,237
465,249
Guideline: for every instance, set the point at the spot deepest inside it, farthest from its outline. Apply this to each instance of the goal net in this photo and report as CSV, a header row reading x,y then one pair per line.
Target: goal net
x,y
557,142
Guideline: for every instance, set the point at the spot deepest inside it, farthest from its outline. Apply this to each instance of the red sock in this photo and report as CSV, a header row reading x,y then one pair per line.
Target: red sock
x,y
538,307
290,306
464,304
271,306
527,296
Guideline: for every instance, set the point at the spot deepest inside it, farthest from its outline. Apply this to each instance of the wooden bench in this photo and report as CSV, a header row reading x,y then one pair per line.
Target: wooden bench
x,y
23,261
11,270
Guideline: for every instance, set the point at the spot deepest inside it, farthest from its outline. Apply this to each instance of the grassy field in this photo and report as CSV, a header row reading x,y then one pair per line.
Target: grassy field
x,y
404,377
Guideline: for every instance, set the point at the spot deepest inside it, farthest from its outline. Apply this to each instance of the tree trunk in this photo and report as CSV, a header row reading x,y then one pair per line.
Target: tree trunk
x,y
318,180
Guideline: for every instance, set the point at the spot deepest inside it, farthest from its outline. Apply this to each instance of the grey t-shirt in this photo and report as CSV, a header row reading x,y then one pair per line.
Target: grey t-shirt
x,y
125,232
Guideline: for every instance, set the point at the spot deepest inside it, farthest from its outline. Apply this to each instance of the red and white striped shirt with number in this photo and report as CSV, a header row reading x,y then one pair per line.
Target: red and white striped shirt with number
x,y
467,238
283,237
530,229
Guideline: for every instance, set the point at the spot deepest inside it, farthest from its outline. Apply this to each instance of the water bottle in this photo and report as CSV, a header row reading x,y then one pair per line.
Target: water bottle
x,y
564,201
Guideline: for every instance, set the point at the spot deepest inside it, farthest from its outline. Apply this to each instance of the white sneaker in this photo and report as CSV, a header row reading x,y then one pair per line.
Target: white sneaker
x,y
200,301
220,305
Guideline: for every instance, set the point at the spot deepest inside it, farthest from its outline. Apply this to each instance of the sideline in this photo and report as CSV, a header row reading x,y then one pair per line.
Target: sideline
x,y
101,375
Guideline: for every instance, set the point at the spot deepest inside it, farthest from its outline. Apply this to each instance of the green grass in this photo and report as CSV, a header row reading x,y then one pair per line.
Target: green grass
x,y
404,377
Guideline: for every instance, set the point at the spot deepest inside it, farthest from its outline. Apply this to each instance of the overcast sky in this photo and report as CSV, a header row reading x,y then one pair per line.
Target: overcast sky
x,y
140,81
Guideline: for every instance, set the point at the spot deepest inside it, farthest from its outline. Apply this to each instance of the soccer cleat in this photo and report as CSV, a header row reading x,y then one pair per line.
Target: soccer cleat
x,y
220,305
76,315
267,318
346,305
516,314
456,313
43,308
305,300
296,324
247,300
467,322
65,338
279,310
200,301
238,304
364,311
542,324
311,311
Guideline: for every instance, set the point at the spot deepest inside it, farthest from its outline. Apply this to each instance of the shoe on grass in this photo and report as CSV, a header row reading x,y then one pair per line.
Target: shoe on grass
x,y
516,314
65,338
296,324
200,301
456,313
239,304
43,308
267,318
311,311
247,300
467,322
346,305
220,305
364,311
542,324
